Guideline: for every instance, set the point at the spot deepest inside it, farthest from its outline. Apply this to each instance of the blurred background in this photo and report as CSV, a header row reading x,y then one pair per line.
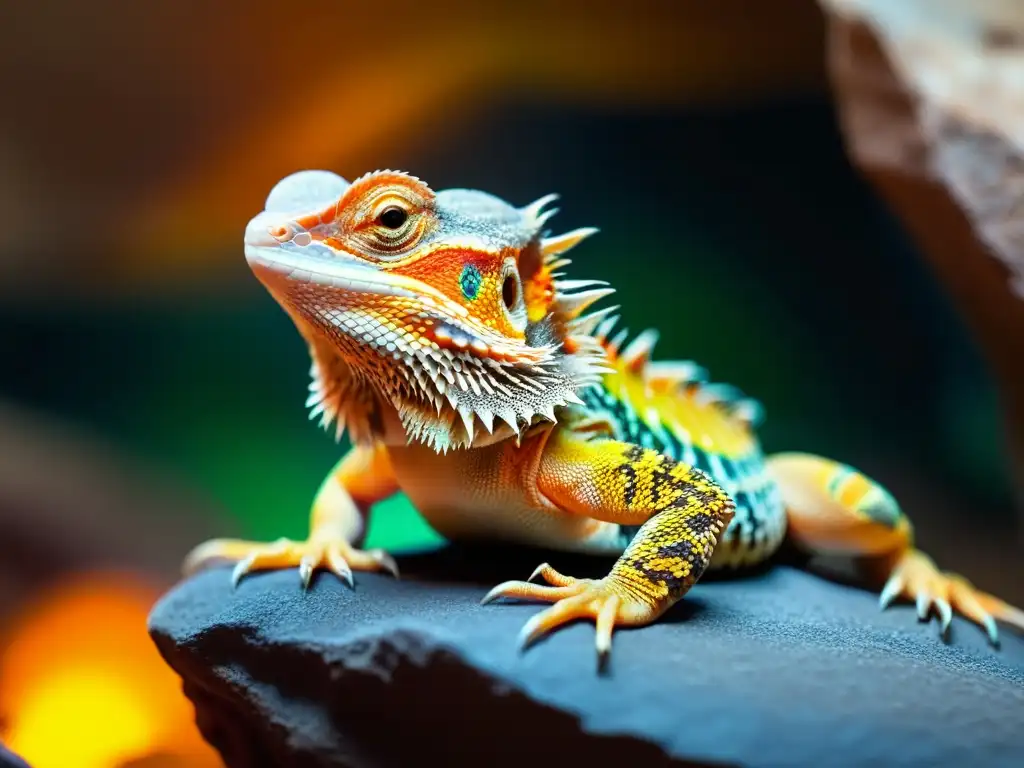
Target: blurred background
x,y
151,393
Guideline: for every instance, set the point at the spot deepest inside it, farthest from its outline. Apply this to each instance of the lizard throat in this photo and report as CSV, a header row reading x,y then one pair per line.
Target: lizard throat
x,y
444,398
369,357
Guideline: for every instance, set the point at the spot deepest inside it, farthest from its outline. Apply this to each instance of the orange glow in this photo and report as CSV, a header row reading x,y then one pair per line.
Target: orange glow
x,y
337,121
82,685
355,108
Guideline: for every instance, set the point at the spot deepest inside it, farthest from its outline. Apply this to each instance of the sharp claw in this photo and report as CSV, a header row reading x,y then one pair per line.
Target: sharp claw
x,y
538,571
551,576
241,568
924,605
992,629
386,561
562,612
603,643
308,556
576,599
917,577
946,614
525,590
526,634
306,566
604,626
890,591
340,567
497,592
531,631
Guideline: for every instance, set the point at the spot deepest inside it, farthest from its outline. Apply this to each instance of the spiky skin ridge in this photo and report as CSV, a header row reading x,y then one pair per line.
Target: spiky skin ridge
x,y
453,365
674,409
462,363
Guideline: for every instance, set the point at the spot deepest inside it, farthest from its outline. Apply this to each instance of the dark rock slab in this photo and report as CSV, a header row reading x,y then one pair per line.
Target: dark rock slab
x,y
10,760
780,669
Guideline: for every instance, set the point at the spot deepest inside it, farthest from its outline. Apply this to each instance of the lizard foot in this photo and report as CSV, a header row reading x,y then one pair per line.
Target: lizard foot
x,y
916,577
335,555
603,600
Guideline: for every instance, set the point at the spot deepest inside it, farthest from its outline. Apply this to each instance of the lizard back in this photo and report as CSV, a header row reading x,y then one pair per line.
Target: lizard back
x,y
672,407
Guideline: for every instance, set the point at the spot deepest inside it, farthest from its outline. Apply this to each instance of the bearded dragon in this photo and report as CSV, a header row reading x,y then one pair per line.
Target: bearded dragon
x,y
471,376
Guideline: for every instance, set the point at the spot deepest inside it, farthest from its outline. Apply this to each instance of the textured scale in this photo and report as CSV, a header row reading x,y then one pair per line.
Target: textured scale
x,y
677,419
679,512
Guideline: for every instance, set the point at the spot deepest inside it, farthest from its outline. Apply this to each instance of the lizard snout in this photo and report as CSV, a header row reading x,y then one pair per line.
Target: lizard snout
x,y
268,231
303,198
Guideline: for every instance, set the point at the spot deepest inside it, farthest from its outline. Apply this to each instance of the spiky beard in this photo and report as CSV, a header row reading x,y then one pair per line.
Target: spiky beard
x,y
455,386
450,398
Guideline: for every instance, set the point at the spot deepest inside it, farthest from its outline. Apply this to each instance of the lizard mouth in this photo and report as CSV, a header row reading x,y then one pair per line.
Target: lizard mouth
x,y
318,265
299,258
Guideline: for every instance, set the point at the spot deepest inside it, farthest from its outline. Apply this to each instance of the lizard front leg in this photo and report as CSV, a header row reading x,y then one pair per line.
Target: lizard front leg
x,y
337,520
679,509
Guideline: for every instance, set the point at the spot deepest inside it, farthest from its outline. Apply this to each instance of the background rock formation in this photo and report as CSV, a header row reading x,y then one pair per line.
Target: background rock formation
x,y
930,100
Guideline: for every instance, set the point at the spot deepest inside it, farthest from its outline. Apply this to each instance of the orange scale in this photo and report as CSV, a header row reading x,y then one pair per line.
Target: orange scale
x,y
539,293
443,270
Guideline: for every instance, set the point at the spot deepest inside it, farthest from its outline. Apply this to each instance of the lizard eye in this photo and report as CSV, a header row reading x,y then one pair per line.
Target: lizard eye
x,y
510,291
512,296
393,227
393,217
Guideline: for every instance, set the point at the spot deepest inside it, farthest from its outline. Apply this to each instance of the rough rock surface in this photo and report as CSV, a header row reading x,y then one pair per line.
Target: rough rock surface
x,y
779,669
929,100
9,760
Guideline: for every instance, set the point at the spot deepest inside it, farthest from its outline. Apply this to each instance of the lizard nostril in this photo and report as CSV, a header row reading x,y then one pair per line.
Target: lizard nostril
x,y
279,232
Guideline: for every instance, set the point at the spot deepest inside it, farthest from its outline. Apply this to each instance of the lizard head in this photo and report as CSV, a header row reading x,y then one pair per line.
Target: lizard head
x,y
445,307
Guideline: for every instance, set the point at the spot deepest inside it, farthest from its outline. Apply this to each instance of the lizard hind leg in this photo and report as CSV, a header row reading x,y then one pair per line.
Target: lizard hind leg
x,y
679,509
834,509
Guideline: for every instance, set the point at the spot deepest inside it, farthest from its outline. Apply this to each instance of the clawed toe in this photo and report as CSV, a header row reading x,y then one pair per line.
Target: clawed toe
x,y
599,600
336,556
562,612
525,590
551,576
559,587
916,577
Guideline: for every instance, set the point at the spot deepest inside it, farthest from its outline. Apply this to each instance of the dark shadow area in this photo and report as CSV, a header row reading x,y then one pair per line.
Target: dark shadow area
x,y
10,760
486,563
